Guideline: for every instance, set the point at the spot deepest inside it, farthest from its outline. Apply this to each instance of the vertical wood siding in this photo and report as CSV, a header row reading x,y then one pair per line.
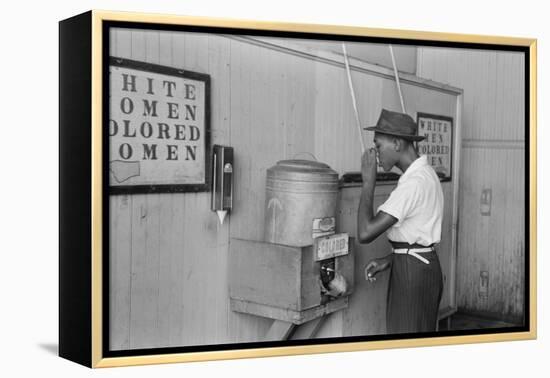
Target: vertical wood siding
x,y
493,157
168,252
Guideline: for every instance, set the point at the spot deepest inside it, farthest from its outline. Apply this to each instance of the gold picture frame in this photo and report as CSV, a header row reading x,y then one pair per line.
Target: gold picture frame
x,y
84,198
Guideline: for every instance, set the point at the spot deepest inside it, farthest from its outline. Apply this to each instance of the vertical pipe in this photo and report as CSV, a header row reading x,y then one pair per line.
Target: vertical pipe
x,y
395,72
350,83
457,145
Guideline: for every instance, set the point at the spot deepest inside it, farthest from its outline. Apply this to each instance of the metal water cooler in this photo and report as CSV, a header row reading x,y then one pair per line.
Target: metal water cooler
x,y
286,276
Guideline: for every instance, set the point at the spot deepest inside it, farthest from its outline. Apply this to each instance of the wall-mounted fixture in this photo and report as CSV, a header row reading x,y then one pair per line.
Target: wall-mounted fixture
x,y
483,283
222,180
485,201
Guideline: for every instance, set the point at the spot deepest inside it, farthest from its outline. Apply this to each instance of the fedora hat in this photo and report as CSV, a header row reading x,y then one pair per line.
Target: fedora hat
x,y
398,124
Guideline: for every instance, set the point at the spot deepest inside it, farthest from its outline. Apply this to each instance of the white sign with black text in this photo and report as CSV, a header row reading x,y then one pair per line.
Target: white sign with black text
x,y
437,146
157,126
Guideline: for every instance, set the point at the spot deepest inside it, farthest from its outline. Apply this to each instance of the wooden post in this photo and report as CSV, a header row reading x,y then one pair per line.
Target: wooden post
x,y
279,330
308,330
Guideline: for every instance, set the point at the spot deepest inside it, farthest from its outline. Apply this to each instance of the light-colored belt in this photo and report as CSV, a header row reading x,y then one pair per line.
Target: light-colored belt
x,y
414,252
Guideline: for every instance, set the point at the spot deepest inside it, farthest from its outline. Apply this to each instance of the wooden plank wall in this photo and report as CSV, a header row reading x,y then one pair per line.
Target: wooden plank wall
x,y
168,252
168,255
493,157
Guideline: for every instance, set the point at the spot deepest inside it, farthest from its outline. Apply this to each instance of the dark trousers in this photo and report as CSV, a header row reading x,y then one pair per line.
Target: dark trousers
x,y
414,293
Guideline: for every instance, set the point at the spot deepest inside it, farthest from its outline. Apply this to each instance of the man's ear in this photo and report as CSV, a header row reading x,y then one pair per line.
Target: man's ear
x,y
397,144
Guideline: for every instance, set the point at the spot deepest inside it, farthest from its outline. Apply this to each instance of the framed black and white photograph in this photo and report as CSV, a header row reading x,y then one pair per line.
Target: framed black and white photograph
x,y
240,189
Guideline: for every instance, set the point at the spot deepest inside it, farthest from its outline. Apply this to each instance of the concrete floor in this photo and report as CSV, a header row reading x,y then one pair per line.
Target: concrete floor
x,y
463,321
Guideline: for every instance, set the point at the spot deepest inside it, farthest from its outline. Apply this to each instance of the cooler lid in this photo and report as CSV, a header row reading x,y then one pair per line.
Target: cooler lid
x,y
296,168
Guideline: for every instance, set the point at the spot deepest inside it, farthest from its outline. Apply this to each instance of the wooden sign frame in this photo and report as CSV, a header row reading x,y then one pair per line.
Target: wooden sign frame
x,y
84,275
178,73
420,115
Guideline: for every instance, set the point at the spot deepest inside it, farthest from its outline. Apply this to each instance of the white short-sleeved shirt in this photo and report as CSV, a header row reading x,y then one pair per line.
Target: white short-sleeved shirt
x,y
417,203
